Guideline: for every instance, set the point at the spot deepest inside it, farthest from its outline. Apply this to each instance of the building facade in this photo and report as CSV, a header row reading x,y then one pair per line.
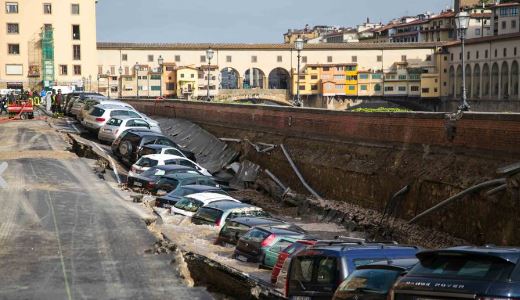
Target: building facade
x,y
50,43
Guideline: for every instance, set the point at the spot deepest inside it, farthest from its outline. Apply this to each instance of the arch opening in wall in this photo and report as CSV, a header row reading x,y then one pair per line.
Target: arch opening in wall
x,y
469,80
504,80
494,80
279,79
476,81
254,78
486,80
229,78
451,92
458,84
515,76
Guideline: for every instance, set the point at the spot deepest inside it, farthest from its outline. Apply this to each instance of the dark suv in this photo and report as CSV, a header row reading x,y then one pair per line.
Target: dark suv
x,y
463,273
128,145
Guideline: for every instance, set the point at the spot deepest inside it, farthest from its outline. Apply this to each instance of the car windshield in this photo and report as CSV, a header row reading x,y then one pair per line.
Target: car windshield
x,y
464,266
209,215
377,281
190,205
256,235
114,122
146,162
97,112
254,212
313,269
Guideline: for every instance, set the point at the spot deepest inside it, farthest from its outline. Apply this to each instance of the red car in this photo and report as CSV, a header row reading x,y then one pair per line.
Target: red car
x,y
279,274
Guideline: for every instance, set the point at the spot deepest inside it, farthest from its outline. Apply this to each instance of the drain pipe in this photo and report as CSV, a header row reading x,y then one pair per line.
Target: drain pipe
x,y
459,196
305,184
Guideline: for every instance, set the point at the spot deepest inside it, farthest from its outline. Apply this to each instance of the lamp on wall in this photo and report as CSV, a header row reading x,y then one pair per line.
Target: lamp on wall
x,y
209,55
298,45
462,23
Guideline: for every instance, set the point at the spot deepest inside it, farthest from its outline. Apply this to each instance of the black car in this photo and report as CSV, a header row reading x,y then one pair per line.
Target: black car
x,y
67,104
373,281
173,197
128,145
235,228
465,272
148,178
158,149
251,246
169,183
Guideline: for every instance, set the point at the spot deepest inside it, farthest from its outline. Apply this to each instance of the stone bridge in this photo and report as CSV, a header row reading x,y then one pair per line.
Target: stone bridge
x,y
255,95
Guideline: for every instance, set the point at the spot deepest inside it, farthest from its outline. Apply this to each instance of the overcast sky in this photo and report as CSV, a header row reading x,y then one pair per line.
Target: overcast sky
x,y
235,21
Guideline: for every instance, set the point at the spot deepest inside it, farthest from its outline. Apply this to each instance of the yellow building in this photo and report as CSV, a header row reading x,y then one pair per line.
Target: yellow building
x,y
187,82
351,83
309,81
370,84
51,42
430,86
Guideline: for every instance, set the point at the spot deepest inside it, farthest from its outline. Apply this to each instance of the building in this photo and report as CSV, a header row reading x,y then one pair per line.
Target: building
x,y
505,18
48,43
187,82
370,83
214,85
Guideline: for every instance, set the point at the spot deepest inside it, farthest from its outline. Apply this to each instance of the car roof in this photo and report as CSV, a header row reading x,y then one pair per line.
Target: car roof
x,y
124,117
144,132
225,205
156,146
184,176
173,167
510,254
404,264
278,230
111,106
210,197
252,222
352,247
198,187
164,156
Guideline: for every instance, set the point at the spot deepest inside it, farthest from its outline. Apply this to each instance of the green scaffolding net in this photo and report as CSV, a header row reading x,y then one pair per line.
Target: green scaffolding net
x,y
47,56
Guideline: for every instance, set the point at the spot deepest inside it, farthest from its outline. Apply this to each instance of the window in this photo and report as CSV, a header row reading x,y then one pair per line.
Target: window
x,y
486,54
177,58
254,59
402,89
124,57
314,77
428,58
302,77
170,86
363,76
100,69
47,8
379,58
389,88
112,70
329,59
13,49
414,88
13,28
12,69
351,87
451,56
354,59
376,76
377,87
155,88
11,7
155,77
496,52
64,70
304,59
203,58
363,87
314,87
150,58
477,54
468,55
477,31
505,52
229,59
76,52
47,27
301,88
279,59
514,51
74,9
504,24
402,77
75,32
403,57
77,70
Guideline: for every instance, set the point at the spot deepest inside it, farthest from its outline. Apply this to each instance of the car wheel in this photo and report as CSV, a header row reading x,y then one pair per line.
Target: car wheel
x,y
125,148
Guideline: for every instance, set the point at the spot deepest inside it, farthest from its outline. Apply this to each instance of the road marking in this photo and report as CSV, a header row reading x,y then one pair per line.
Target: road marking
x,y
67,288
3,167
111,162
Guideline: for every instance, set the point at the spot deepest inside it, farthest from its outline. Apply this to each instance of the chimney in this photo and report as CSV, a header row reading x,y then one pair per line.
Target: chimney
x,y
456,8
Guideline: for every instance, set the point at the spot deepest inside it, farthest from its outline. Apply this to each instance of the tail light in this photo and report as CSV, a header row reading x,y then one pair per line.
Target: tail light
x,y
150,184
268,241
100,119
218,221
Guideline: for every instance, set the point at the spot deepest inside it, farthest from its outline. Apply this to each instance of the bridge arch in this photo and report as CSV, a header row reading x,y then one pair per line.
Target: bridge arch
x,y
486,85
476,81
229,79
514,79
254,78
279,79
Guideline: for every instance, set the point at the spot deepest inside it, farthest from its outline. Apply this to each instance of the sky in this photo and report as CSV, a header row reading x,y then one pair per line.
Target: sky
x,y
240,21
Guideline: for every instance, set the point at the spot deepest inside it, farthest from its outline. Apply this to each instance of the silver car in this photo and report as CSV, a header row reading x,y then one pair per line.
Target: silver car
x,y
91,102
79,104
101,113
117,125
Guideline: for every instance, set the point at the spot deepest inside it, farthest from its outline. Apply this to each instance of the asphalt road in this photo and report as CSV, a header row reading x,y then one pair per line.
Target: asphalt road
x,y
66,234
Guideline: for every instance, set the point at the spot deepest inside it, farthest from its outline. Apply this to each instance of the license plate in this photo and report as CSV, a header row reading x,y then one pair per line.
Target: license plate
x,y
300,298
241,258
137,183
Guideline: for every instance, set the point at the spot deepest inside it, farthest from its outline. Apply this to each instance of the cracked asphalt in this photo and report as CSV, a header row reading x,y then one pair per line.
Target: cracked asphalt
x,y
66,234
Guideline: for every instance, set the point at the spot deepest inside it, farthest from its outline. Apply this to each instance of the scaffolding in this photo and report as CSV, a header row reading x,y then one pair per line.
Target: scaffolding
x,y
47,38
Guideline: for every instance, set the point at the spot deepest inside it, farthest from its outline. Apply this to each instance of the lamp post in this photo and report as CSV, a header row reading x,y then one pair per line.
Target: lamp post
x,y
298,45
108,78
160,60
120,82
462,22
209,55
136,69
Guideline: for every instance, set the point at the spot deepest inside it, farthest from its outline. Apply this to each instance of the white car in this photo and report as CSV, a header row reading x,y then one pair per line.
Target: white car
x,y
154,160
101,113
190,204
91,102
117,125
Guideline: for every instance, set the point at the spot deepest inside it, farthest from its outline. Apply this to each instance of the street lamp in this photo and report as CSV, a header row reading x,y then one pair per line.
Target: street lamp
x,y
120,82
108,77
462,22
298,45
160,60
136,69
209,55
